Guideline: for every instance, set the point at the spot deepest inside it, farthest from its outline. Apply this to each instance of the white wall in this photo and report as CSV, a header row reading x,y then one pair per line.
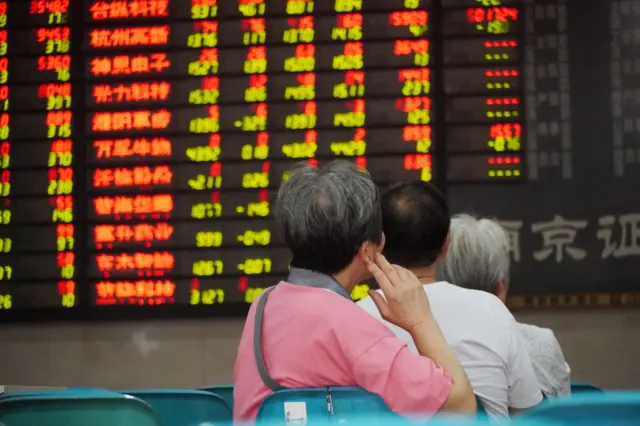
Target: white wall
x,y
602,347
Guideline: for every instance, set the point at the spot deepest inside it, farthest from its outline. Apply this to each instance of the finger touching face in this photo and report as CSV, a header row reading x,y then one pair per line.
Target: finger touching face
x,y
368,251
378,274
367,254
387,268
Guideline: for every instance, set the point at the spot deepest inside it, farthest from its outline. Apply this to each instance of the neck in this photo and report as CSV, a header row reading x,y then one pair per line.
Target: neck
x,y
346,279
426,274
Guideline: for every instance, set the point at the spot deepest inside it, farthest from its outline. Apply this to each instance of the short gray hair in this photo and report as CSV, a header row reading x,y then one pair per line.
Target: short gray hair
x,y
478,255
326,214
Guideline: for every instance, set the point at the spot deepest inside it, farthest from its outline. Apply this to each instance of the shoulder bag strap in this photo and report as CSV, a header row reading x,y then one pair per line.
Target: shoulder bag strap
x,y
257,343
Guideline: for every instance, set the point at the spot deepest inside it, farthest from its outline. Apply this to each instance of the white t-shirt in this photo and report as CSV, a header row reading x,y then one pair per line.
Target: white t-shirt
x,y
486,339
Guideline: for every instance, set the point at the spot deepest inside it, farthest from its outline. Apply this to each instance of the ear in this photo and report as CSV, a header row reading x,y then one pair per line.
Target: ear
x,y
445,247
501,292
367,250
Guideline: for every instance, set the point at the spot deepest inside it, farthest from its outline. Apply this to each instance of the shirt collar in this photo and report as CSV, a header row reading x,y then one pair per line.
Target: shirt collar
x,y
309,278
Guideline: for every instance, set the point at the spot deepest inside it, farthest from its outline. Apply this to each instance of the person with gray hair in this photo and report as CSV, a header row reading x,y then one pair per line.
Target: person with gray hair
x,y
306,332
479,328
478,258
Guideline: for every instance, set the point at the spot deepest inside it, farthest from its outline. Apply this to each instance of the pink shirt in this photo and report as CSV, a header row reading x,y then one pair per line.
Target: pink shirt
x,y
313,337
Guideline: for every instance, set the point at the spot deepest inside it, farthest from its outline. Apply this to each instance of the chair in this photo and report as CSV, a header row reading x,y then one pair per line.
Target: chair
x,y
434,421
591,408
182,407
98,409
352,402
582,387
337,404
223,391
355,401
275,407
59,392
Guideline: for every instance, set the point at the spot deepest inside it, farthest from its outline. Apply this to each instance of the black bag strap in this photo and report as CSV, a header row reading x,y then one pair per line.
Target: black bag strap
x,y
257,343
303,277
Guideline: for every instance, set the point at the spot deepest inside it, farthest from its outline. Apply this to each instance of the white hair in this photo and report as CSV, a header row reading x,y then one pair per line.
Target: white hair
x,y
478,255
325,214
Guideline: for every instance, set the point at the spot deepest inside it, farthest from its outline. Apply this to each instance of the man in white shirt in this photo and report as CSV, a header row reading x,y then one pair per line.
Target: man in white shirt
x,y
475,243
479,328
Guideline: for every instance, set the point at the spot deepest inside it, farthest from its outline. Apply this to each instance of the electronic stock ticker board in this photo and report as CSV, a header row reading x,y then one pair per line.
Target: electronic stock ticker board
x,y
142,141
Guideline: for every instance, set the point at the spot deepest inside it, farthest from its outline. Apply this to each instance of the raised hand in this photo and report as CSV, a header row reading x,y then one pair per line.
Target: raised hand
x,y
405,302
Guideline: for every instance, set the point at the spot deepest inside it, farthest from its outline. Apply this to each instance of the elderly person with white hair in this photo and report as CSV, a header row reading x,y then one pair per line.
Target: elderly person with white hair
x,y
478,258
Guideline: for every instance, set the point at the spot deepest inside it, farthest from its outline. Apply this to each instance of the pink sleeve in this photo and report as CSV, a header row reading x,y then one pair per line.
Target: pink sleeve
x,y
408,383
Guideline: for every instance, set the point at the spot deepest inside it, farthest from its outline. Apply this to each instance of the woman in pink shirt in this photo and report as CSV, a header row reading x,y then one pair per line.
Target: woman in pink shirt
x,y
310,333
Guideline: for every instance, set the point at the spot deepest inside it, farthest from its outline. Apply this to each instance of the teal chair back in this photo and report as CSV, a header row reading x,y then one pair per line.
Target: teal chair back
x,y
59,392
351,402
104,409
337,404
582,387
183,407
353,405
274,408
400,421
590,409
223,391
